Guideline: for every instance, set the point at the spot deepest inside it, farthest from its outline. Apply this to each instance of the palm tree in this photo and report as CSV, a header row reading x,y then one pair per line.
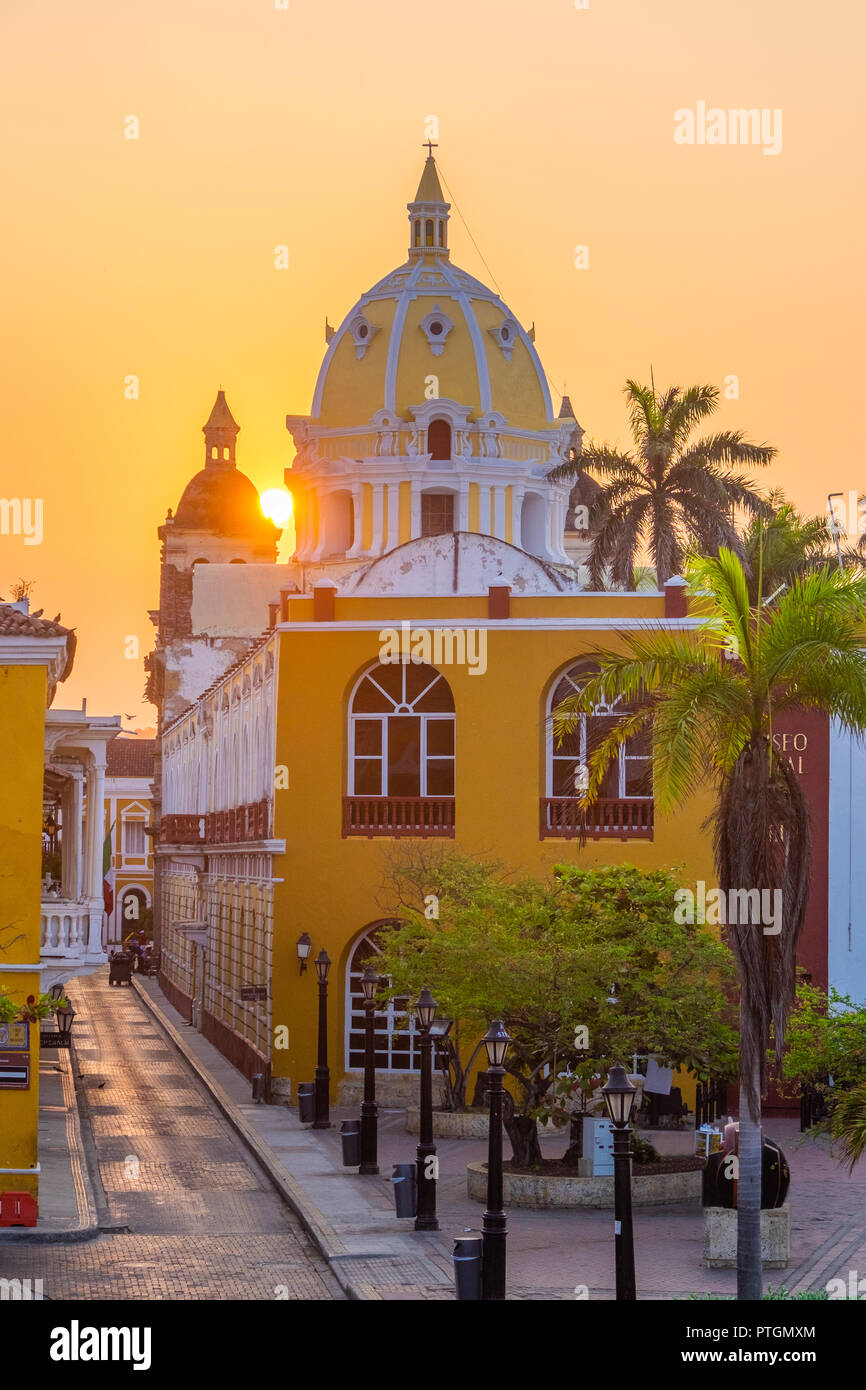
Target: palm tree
x,y
668,493
848,1124
708,698
785,546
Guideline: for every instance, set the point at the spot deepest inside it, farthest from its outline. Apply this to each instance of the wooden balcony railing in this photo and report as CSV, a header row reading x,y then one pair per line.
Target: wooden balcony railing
x,y
418,816
181,830
248,822
624,818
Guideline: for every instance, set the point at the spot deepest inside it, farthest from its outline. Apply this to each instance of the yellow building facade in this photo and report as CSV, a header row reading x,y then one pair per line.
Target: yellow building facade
x,y
34,656
129,775
401,686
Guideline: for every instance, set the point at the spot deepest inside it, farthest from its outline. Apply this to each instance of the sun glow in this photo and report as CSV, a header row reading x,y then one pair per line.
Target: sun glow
x,y
276,503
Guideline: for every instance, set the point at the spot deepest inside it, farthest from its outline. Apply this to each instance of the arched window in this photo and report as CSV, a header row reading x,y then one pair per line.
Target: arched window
x,y
439,439
417,233
200,561
441,233
237,562
401,733
630,775
395,1044
428,232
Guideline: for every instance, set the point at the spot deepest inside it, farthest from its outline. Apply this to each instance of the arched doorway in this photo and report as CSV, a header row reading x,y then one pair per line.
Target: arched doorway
x,y
395,1044
439,439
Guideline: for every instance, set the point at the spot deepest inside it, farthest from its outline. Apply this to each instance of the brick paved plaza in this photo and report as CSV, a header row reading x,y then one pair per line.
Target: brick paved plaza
x,y
194,1218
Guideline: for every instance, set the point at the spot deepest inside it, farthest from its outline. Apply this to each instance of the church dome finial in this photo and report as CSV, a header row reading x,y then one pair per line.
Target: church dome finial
x,y
220,435
428,214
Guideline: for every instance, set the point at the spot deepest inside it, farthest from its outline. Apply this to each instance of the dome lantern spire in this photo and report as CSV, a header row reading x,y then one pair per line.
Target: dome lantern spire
x,y
428,214
220,435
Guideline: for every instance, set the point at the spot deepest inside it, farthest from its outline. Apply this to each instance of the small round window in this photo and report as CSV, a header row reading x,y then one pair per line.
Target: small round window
x,y
436,327
505,335
362,331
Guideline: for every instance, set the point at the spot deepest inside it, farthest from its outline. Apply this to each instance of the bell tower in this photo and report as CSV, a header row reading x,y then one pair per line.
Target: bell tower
x,y
428,215
220,435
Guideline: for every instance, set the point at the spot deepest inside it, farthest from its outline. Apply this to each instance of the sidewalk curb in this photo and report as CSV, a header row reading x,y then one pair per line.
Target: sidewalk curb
x,y
316,1225
88,1222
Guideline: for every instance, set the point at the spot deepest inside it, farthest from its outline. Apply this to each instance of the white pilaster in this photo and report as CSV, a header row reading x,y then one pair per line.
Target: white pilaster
x,y
484,493
377,542
415,511
517,495
393,513
357,521
499,511
95,825
462,519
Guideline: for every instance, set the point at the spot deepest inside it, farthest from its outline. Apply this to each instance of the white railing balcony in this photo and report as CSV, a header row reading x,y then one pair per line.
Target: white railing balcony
x,y
72,932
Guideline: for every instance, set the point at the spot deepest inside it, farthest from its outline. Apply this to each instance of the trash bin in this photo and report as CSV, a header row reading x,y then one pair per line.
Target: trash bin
x,y
350,1135
405,1179
259,1086
467,1267
307,1102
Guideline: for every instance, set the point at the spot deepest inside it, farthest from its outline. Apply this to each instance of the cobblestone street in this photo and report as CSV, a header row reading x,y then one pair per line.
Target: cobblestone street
x,y
186,1214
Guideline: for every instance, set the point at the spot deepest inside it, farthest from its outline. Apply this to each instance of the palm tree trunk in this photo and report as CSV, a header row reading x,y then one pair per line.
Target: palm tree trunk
x,y
750,1284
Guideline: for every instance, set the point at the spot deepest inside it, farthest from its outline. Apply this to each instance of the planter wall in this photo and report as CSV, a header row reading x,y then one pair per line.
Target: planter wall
x,y
463,1124
394,1089
720,1237
543,1190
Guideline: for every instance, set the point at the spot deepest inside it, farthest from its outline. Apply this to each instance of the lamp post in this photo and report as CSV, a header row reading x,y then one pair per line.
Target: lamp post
x,y
369,1109
619,1096
323,1076
64,1025
493,1231
425,1220
305,945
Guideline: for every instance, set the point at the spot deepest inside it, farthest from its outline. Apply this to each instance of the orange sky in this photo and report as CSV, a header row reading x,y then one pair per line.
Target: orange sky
x,y
261,126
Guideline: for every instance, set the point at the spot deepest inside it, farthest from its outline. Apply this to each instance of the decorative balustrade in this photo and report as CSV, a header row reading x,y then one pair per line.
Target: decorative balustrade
x,y
421,817
234,826
239,824
71,931
624,818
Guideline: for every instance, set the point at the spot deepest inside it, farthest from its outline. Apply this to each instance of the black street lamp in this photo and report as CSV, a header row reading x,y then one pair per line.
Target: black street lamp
x,y
493,1231
428,1164
369,1109
305,945
64,1025
619,1096
323,1076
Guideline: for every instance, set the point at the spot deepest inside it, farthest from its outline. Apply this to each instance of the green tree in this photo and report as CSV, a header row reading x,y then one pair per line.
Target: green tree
x,y
783,547
826,1036
671,492
708,700
584,967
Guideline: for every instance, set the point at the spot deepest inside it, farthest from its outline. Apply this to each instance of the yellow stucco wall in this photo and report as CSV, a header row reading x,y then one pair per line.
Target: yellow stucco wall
x,y
22,734
500,752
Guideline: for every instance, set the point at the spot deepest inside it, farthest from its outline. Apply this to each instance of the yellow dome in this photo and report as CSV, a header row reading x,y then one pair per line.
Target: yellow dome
x,y
429,319
431,415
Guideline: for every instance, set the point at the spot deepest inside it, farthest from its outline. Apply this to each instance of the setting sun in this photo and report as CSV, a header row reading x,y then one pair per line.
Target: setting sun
x,y
276,504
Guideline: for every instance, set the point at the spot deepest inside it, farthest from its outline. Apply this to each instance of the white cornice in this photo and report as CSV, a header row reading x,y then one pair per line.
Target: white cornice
x,y
572,624
34,651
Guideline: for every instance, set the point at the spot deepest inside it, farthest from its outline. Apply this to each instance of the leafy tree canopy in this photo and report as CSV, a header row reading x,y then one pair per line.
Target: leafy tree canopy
x,y
548,956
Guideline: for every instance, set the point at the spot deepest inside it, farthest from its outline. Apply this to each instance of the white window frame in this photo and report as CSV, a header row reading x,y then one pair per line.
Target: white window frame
x,y
400,710
383,1038
601,710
